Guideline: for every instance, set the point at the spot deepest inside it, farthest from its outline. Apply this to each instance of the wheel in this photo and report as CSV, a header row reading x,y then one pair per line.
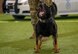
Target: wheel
x,y
18,17
4,6
64,15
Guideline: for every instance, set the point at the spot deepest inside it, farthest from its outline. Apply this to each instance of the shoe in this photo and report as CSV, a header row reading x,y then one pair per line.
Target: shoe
x,y
33,36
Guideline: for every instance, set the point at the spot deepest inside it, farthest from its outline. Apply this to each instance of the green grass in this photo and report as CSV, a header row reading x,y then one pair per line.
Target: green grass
x,y
14,36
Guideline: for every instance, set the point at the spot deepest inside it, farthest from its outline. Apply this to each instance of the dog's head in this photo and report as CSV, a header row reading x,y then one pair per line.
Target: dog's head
x,y
43,11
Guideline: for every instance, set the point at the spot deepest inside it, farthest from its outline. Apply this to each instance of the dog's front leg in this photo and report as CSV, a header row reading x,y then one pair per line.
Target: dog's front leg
x,y
56,49
40,41
37,45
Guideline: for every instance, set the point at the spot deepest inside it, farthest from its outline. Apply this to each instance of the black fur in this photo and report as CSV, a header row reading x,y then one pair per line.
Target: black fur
x,y
48,27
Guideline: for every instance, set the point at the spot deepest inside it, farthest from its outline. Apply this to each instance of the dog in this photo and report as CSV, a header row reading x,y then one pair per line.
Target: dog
x,y
45,26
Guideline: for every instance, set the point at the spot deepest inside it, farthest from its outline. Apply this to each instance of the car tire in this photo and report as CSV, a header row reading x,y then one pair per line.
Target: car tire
x,y
63,15
4,6
18,17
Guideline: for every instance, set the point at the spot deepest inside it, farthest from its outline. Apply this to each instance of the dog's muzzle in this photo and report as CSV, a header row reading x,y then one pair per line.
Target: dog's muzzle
x,y
41,14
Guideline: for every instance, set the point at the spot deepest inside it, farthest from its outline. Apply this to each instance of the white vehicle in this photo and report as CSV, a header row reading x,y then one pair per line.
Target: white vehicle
x,y
20,8
17,8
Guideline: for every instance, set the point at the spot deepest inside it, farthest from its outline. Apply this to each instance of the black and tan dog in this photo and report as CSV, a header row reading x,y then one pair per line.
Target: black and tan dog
x,y
46,26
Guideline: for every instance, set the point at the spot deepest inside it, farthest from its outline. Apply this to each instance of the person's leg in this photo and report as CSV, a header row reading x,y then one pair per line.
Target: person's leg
x,y
33,5
48,2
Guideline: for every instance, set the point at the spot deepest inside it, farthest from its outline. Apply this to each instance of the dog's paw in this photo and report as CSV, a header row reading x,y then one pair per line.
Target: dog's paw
x,y
36,50
56,50
31,38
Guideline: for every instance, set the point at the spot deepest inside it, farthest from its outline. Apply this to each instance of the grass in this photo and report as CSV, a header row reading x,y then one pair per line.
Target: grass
x,y
14,36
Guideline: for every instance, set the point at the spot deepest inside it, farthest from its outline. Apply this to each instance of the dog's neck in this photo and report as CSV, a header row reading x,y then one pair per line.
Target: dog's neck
x,y
43,21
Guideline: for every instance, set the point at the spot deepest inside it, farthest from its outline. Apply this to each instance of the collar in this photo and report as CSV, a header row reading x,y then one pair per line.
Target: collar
x,y
45,20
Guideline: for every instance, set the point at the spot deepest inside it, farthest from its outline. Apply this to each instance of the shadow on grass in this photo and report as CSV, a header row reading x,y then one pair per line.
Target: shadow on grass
x,y
71,33
16,20
57,18
24,44
66,17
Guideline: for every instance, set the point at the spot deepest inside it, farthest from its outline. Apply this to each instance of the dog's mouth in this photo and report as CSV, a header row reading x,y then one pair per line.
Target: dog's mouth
x,y
41,14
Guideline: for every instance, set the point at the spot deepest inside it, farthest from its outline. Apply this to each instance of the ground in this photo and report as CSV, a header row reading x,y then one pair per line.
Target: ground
x,y
14,36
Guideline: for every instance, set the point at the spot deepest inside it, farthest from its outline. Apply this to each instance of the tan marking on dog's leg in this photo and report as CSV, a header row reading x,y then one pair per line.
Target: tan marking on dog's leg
x,y
37,50
40,42
56,49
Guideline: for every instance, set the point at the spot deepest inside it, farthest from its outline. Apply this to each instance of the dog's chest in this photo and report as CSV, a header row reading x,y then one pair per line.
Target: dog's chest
x,y
44,28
